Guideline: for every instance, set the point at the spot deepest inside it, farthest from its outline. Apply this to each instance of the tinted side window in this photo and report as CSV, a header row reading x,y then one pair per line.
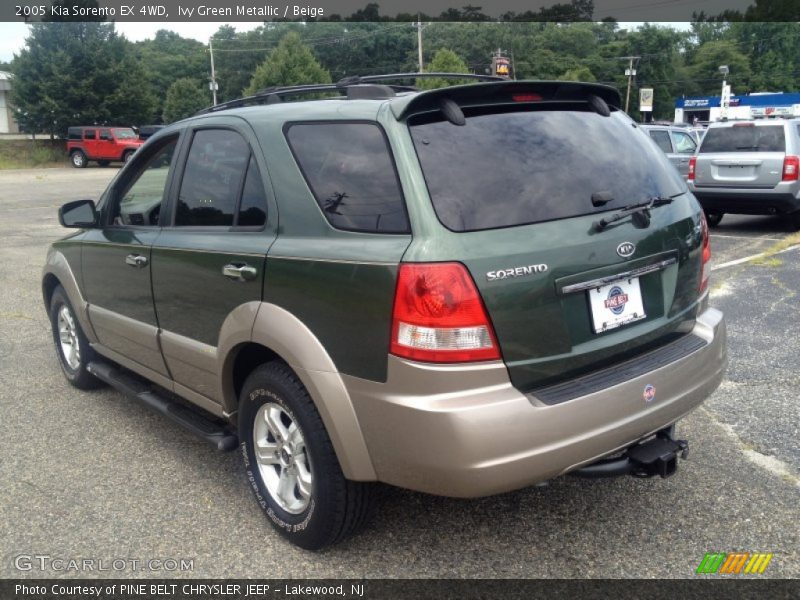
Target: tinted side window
x,y
212,178
351,173
253,207
89,134
684,143
744,138
662,139
141,198
105,134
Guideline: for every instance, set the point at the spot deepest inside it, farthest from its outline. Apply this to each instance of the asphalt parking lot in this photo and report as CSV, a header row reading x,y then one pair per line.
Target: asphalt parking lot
x,y
94,475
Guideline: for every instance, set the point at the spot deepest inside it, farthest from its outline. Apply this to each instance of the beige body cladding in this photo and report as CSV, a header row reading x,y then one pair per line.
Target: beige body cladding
x,y
425,427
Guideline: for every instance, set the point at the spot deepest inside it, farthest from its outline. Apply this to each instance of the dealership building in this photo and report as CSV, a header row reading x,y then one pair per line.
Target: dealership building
x,y
759,105
7,123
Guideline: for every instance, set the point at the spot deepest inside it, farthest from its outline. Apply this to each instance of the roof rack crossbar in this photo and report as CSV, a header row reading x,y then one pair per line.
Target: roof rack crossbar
x,y
388,77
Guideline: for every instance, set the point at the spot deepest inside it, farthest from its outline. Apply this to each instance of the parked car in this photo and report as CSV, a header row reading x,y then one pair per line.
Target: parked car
x,y
102,144
749,167
461,291
145,131
676,142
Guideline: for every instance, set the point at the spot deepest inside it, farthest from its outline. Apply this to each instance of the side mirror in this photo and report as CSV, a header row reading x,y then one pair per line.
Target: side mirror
x,y
79,214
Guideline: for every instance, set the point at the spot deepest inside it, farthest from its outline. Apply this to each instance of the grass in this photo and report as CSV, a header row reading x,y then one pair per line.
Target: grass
x,y
768,259
28,154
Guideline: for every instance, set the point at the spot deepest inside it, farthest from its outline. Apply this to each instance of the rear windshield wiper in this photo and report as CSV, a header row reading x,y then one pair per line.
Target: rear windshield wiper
x,y
641,212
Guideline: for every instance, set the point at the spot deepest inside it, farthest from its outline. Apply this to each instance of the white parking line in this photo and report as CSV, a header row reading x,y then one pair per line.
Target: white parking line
x,y
745,237
739,261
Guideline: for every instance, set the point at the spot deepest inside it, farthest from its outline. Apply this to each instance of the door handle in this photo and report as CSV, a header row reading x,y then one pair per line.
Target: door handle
x,y
239,272
136,260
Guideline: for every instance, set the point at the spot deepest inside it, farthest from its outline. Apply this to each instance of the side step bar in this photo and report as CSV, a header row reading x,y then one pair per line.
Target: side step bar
x,y
657,456
139,389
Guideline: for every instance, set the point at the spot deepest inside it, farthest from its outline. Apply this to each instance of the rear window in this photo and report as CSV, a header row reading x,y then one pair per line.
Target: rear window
x,y
515,168
744,138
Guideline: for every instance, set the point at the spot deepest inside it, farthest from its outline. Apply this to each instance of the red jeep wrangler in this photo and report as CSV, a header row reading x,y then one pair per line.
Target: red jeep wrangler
x,y
102,144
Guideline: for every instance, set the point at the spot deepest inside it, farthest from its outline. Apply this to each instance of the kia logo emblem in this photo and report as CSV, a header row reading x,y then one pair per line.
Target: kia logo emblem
x,y
626,249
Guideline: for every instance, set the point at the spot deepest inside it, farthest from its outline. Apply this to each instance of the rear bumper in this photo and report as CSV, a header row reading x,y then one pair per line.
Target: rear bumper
x,y
748,201
465,431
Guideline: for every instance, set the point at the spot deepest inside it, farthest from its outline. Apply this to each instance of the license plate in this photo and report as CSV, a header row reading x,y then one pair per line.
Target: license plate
x,y
616,304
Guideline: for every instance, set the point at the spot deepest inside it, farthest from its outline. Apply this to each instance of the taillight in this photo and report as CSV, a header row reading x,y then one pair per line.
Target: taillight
x,y
704,274
439,316
692,166
791,165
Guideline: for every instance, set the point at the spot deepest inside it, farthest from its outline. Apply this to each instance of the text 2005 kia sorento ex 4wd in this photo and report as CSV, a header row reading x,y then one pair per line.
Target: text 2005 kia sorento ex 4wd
x,y
462,291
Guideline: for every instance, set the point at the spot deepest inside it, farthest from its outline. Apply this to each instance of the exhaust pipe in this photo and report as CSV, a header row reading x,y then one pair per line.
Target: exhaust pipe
x,y
656,456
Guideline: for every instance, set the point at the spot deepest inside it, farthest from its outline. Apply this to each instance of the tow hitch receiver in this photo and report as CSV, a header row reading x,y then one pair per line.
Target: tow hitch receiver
x,y
656,456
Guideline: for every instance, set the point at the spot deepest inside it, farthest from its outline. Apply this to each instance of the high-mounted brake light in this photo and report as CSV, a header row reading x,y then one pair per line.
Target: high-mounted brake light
x,y
791,166
692,167
439,316
704,271
526,97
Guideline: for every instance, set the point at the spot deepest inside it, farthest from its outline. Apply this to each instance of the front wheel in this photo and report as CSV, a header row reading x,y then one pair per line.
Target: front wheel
x,y
78,159
72,347
127,156
714,218
291,465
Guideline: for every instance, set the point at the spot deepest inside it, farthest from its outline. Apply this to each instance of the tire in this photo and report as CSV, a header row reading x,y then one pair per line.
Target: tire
x,y
714,218
332,507
126,156
78,159
794,221
67,333
103,163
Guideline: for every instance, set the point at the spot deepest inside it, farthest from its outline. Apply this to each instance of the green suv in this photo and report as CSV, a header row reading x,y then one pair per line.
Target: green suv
x,y
460,291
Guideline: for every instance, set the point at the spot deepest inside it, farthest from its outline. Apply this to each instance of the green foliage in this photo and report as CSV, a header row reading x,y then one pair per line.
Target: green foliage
x,y
291,63
78,74
710,56
444,61
169,57
578,74
184,98
24,154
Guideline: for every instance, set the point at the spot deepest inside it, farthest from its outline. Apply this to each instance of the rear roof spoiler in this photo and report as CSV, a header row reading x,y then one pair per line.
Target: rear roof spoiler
x,y
503,93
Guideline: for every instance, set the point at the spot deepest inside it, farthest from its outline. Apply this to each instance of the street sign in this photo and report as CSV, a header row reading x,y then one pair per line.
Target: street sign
x,y
646,100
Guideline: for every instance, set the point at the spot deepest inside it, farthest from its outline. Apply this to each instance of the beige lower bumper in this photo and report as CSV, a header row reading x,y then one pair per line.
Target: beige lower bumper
x,y
465,431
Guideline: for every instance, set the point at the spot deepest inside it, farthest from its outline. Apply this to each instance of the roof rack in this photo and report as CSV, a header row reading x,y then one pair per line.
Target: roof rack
x,y
354,87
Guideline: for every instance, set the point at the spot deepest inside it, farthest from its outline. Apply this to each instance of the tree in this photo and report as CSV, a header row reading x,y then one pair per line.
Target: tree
x,y
184,98
79,73
444,61
291,63
707,60
579,74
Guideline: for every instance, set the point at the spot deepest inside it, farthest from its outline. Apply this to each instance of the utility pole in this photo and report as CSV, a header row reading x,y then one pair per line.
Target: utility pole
x,y
419,25
213,83
630,72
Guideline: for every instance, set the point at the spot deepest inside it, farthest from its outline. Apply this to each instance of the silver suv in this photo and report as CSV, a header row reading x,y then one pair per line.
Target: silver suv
x,y
748,167
676,142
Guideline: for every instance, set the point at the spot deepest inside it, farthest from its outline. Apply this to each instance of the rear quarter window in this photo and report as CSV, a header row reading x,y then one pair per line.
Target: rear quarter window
x,y
350,170
744,138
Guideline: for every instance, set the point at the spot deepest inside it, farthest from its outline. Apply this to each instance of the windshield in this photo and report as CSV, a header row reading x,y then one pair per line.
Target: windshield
x,y
125,134
744,138
514,168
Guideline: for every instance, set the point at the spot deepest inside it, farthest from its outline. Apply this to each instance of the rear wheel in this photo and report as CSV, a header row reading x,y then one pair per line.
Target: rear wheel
x,y
78,159
72,347
291,465
794,222
713,218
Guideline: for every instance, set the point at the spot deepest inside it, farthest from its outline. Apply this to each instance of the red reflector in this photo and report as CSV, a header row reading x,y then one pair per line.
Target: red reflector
x,y
791,165
706,257
692,166
439,315
526,97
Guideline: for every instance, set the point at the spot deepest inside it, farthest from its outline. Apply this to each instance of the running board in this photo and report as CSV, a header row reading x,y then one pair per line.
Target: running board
x,y
140,389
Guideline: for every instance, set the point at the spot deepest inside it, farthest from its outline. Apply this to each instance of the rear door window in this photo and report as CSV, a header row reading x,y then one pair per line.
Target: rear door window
x,y
661,138
350,170
744,138
527,166
684,143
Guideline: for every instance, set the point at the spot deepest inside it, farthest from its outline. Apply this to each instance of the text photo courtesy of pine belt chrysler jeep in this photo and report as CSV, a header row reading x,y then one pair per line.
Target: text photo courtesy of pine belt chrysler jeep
x,y
102,144
355,289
